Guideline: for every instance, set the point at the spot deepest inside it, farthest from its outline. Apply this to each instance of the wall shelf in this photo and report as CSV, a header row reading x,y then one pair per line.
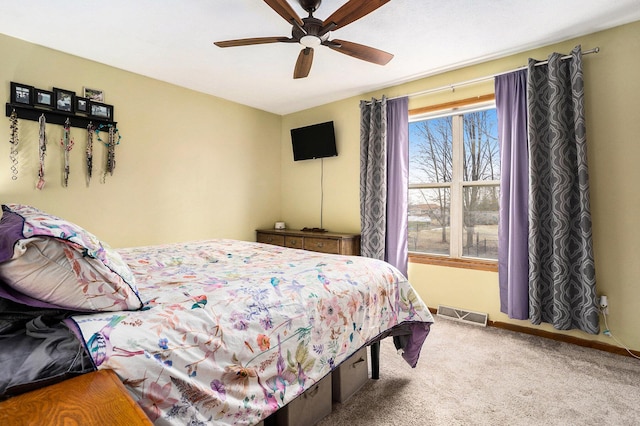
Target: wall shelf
x,y
27,112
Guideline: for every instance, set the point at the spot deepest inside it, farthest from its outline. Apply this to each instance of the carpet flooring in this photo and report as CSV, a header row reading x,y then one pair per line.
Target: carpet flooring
x,y
470,375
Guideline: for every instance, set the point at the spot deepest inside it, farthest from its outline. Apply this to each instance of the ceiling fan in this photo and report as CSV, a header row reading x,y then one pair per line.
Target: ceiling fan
x,y
311,32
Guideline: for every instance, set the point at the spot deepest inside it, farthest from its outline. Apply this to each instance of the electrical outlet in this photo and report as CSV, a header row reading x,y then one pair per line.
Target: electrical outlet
x,y
604,305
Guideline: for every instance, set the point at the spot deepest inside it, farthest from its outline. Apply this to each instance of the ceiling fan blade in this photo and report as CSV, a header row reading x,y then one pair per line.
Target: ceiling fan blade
x,y
360,51
351,11
284,9
303,64
250,41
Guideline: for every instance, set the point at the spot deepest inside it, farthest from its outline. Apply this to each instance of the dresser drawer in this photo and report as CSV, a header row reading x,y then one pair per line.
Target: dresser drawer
x,y
323,242
322,245
277,240
293,242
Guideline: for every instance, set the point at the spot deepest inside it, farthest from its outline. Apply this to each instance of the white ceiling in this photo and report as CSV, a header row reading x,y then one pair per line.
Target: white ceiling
x,y
172,40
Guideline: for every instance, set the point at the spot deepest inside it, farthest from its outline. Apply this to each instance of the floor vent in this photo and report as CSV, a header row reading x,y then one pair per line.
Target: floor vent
x,y
462,315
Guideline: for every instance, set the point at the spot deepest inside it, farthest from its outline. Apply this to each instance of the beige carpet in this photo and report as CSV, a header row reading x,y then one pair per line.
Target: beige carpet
x,y
469,375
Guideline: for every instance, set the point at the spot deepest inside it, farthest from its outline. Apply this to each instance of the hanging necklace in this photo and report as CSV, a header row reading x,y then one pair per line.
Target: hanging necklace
x,y
111,152
89,152
67,145
13,140
42,144
111,147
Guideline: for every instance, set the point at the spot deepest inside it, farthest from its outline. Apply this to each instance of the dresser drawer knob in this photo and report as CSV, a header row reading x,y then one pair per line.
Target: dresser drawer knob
x,y
319,245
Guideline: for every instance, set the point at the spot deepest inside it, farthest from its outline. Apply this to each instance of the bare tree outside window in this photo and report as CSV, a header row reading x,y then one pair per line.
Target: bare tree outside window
x,y
454,177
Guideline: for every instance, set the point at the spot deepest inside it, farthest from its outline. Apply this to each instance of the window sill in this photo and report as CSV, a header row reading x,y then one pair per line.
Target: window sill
x,y
466,263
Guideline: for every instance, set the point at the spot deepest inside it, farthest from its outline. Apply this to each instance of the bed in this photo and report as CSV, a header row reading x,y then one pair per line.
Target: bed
x,y
215,331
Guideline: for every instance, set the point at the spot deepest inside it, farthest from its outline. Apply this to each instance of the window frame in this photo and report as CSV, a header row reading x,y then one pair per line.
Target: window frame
x,y
455,257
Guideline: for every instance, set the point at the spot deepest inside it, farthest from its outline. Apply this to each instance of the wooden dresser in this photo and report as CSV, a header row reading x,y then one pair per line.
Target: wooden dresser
x,y
98,398
323,242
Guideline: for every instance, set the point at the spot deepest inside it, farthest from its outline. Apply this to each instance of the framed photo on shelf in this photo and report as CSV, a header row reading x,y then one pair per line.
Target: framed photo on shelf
x,y
64,99
94,95
102,111
21,93
82,105
42,98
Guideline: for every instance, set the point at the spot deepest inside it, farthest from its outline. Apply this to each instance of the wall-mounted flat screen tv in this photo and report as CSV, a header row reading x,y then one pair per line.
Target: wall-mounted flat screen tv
x,y
315,141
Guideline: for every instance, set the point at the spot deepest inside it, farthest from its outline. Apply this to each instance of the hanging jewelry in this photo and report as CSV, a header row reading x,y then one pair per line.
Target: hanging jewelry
x,y
13,140
67,145
89,152
42,144
111,147
111,152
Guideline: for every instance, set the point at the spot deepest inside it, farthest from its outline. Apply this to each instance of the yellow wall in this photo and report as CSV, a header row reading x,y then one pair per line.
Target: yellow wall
x,y
613,126
189,166
301,180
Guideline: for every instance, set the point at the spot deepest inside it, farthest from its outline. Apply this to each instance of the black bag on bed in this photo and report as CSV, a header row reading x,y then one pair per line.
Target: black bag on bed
x,y
36,349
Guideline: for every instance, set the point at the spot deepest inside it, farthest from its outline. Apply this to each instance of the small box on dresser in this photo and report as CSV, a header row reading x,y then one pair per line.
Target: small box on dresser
x,y
309,408
350,376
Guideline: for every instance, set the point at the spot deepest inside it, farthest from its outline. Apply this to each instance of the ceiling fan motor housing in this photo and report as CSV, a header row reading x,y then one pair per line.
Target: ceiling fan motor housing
x,y
310,5
308,34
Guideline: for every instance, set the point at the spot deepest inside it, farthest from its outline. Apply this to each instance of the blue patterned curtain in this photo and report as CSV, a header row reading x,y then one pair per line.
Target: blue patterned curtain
x,y
384,174
562,285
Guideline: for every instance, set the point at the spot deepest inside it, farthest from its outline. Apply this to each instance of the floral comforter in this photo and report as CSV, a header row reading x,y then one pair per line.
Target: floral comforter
x,y
231,331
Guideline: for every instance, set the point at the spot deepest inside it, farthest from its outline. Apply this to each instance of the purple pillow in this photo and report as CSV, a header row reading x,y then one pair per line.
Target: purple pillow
x,y
10,232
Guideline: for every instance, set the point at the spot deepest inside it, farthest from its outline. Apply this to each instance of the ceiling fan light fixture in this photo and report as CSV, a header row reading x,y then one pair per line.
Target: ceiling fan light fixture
x,y
310,41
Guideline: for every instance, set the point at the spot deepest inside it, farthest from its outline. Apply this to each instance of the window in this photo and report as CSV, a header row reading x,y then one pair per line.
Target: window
x,y
454,174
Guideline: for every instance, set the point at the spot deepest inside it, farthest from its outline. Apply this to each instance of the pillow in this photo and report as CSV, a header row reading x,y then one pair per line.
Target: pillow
x,y
8,293
60,263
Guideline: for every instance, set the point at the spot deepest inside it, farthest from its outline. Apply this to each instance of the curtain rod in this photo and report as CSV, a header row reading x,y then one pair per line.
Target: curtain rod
x,y
453,86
